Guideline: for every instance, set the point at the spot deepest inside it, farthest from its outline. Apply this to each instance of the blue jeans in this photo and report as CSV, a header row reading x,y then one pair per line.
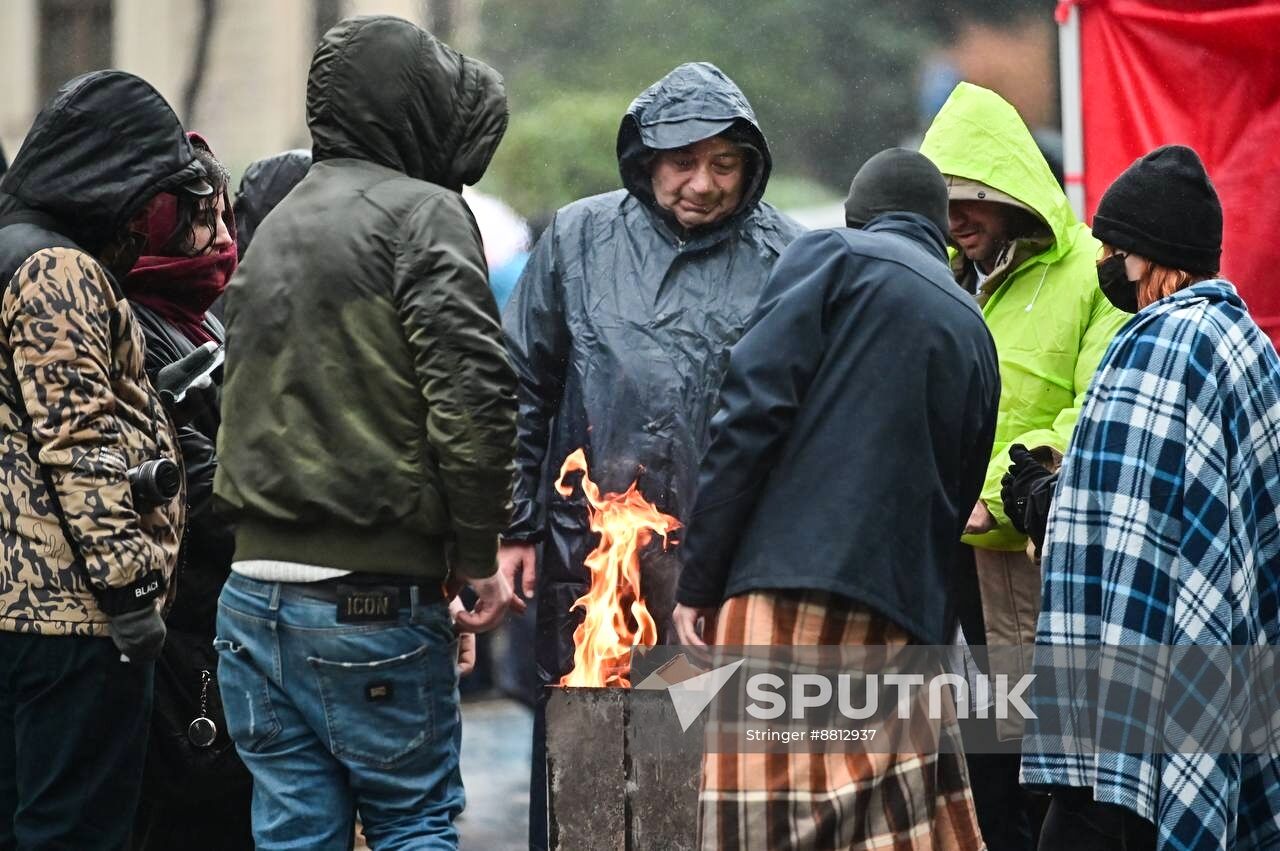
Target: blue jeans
x,y
333,718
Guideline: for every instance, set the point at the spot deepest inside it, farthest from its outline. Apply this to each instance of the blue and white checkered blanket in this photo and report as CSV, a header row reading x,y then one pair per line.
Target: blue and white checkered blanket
x,y
1166,531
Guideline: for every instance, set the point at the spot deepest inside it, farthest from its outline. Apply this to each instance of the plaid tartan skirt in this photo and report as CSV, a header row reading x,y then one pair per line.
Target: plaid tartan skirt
x,y
835,800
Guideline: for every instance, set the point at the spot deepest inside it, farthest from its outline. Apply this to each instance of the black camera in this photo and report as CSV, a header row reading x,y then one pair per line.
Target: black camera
x,y
153,483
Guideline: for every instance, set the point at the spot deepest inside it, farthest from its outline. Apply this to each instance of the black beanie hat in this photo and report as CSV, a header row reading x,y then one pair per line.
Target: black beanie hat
x,y
1164,208
897,180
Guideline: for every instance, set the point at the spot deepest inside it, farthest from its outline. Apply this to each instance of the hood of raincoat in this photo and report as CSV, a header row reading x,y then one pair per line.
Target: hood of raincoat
x,y
694,102
100,149
386,91
979,135
263,186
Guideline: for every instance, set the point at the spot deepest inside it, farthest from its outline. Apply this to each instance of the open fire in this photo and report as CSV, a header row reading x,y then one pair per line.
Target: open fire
x,y
617,618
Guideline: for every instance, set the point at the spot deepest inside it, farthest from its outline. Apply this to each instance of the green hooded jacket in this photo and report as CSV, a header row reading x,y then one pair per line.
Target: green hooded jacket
x,y
1050,321
368,412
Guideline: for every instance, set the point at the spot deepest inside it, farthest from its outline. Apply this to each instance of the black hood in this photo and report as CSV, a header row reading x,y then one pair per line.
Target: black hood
x,y
388,92
96,153
694,102
264,184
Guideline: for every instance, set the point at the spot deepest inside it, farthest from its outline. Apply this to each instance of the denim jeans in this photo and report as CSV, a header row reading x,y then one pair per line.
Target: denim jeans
x,y
334,718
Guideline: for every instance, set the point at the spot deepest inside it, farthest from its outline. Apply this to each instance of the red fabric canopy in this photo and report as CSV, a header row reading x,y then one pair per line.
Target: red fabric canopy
x,y
1204,73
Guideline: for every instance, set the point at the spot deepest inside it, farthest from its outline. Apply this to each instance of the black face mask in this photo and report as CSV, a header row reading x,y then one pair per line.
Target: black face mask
x,y
1115,284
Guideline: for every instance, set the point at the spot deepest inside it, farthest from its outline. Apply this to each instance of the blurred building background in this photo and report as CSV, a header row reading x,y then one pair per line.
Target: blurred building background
x,y
833,80
234,69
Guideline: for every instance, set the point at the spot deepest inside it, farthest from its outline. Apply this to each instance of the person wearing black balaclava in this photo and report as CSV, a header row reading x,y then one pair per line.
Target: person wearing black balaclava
x,y
858,330
619,330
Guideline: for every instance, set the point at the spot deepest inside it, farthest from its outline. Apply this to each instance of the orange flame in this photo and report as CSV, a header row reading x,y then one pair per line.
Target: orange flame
x,y
626,523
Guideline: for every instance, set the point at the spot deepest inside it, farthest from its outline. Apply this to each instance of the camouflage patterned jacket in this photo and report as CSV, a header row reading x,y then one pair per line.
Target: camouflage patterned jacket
x,y
77,354
76,408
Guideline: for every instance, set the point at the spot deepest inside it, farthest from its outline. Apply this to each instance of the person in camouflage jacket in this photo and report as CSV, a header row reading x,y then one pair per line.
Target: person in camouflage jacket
x,y
79,560
74,352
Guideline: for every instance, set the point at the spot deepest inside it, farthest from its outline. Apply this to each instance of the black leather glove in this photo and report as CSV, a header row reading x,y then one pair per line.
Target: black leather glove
x,y
139,635
1026,491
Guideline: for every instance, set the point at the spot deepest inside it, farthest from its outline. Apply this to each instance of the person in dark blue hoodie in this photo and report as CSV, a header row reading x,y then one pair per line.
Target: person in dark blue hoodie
x,y
855,423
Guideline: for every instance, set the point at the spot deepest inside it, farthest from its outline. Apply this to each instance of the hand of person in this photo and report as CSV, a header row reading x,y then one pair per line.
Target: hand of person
x,y
202,395
980,520
688,629
139,634
1027,491
519,559
494,597
466,642
185,384
1016,485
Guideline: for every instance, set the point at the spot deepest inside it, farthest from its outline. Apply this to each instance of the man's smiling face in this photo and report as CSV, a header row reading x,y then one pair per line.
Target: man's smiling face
x,y
980,229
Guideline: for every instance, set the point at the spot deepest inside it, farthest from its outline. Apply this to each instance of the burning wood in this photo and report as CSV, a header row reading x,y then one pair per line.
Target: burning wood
x,y
617,618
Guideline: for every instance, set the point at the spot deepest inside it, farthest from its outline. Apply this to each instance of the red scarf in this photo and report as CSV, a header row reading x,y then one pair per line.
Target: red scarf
x,y
179,289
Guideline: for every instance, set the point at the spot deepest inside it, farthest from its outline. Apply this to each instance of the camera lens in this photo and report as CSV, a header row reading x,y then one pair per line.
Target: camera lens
x,y
154,482
168,477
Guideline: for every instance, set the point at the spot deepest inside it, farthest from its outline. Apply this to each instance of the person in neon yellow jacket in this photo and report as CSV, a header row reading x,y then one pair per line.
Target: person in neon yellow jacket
x,y
1019,248
1039,293
1032,267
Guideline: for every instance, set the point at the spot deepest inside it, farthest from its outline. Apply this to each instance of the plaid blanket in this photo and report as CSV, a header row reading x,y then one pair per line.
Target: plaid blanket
x,y
1166,531
830,800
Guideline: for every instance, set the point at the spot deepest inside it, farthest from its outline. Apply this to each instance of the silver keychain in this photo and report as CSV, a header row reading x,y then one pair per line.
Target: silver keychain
x,y
202,731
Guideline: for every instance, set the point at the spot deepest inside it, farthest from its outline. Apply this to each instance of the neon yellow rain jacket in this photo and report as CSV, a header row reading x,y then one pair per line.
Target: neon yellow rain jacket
x,y
1050,321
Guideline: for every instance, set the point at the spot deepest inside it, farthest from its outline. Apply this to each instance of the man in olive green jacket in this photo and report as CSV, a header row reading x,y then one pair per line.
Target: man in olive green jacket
x,y
1031,266
366,449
